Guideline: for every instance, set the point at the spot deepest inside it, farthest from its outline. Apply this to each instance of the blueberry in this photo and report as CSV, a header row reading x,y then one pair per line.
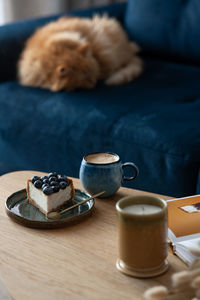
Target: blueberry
x,y
44,185
38,184
46,181
34,178
64,178
63,185
56,188
53,183
52,174
53,178
43,178
48,190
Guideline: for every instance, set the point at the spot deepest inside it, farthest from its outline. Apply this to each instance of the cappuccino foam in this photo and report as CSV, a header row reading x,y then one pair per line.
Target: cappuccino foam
x,y
101,158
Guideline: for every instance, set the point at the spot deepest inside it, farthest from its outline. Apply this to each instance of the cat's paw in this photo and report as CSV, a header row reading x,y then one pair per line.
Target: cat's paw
x,y
115,79
126,74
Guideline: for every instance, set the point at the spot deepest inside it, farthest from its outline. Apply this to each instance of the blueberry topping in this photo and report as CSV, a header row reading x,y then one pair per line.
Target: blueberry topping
x,y
43,178
48,190
63,185
38,184
52,183
55,188
52,174
34,178
63,178
46,181
53,178
44,185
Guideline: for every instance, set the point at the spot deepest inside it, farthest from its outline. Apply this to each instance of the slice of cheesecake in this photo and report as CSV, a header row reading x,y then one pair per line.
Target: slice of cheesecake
x,y
50,193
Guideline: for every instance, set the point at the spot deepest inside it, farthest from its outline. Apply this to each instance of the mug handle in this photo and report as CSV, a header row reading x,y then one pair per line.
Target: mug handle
x,y
132,165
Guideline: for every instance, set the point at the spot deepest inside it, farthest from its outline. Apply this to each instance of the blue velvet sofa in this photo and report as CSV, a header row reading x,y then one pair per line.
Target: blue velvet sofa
x,y
153,121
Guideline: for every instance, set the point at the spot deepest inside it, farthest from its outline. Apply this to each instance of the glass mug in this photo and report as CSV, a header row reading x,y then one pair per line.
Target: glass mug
x,y
104,171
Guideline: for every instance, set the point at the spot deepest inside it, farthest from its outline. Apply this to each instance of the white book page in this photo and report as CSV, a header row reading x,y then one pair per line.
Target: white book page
x,y
181,246
191,237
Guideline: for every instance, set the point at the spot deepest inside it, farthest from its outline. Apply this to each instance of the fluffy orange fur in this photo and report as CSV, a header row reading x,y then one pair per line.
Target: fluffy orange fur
x,y
75,53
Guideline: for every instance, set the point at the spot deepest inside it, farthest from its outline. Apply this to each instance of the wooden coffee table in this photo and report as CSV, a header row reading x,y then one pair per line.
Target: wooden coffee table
x,y
75,262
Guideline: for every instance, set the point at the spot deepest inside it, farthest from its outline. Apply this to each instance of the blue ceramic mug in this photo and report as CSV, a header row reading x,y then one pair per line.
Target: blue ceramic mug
x,y
104,171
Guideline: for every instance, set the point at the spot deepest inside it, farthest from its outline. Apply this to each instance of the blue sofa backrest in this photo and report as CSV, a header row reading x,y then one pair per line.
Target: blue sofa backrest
x,y
169,27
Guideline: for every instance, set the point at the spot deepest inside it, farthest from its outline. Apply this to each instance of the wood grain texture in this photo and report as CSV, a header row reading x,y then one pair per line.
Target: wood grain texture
x,y
75,262
4,295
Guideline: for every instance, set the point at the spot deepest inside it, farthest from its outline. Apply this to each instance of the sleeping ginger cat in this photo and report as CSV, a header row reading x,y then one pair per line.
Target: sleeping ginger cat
x,y
75,53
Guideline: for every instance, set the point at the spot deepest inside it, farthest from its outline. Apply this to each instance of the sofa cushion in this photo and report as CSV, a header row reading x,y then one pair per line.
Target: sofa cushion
x,y
153,121
170,28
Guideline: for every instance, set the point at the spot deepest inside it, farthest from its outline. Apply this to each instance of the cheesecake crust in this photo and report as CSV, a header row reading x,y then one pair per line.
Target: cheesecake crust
x,y
58,207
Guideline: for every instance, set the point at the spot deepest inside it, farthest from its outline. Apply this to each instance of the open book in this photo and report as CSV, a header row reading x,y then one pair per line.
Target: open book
x,y
184,226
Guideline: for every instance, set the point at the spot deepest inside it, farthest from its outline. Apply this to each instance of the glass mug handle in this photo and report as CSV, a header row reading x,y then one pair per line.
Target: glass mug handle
x,y
132,165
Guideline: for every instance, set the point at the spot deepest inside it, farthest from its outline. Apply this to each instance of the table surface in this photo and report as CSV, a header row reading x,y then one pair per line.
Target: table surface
x,y
75,262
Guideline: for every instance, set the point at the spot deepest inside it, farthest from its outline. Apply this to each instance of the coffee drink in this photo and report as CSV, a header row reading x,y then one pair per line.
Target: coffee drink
x,y
101,158
104,171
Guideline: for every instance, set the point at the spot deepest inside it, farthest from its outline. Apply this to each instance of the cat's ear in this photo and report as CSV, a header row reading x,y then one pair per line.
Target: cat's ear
x,y
85,49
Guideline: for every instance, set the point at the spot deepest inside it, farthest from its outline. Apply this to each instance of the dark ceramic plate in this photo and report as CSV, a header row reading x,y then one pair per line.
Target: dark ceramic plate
x,y
21,211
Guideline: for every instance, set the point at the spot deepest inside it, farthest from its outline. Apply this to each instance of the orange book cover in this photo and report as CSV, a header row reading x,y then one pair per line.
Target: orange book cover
x,y
184,216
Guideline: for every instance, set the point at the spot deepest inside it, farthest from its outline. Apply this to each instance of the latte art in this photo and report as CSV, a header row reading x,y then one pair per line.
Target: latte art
x,y
101,158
